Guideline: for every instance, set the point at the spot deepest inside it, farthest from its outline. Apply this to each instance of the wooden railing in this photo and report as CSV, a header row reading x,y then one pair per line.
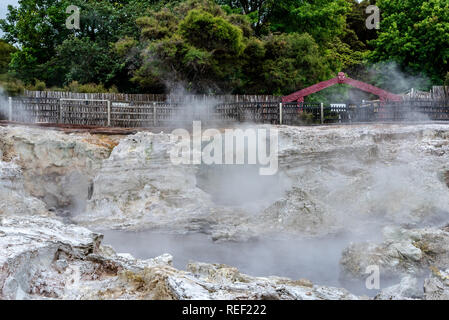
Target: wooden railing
x,y
128,114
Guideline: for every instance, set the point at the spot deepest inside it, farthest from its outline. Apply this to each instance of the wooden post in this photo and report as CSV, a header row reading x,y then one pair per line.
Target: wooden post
x,y
322,113
60,111
10,108
154,113
109,113
280,113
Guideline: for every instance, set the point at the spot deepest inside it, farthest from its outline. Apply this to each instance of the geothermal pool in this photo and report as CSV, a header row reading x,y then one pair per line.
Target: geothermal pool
x,y
336,186
314,259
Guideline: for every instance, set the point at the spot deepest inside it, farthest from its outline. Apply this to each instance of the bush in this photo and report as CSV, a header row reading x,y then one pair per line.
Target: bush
x,y
11,87
307,117
74,86
38,86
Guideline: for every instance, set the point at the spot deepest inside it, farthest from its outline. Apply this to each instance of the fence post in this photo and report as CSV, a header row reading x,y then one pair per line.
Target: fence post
x,y
10,109
60,111
109,113
280,113
322,113
154,113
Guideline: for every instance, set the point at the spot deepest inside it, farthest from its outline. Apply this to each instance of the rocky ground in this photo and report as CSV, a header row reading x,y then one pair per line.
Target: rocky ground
x,y
45,258
386,184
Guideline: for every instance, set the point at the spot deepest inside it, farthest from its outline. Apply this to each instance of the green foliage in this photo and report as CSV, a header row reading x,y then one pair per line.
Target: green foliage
x,y
38,27
124,46
227,46
201,49
210,51
75,86
5,55
285,63
415,34
323,19
307,118
37,86
203,30
11,86
82,60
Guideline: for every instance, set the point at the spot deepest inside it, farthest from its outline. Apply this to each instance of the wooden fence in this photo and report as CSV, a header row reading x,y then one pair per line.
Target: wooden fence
x,y
97,110
136,98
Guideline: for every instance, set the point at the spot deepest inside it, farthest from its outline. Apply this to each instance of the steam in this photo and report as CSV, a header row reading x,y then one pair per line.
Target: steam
x,y
391,77
4,109
348,183
388,76
190,107
19,109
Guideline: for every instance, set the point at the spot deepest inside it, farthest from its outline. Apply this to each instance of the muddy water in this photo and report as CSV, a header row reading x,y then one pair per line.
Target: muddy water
x,y
313,259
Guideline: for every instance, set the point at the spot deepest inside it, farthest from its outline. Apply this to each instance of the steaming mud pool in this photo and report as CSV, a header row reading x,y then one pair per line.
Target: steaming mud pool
x,y
112,217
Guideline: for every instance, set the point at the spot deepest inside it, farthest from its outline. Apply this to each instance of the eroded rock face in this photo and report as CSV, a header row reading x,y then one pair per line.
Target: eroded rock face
x,y
402,252
56,167
436,287
44,258
333,179
352,180
360,178
338,179
14,200
31,247
409,288
139,187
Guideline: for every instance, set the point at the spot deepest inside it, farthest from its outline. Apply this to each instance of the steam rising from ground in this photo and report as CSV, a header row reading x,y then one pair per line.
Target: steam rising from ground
x,y
4,112
191,107
387,75
398,80
336,185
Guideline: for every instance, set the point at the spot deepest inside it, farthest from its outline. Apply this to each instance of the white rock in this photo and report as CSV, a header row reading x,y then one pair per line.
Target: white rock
x,y
44,258
403,252
408,288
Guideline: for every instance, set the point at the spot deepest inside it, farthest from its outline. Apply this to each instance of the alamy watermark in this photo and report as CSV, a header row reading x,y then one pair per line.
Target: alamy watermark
x,y
373,20
372,282
73,21
249,146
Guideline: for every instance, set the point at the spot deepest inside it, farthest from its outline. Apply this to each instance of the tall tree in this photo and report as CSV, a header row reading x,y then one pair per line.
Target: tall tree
x,y
322,19
415,34
5,55
38,27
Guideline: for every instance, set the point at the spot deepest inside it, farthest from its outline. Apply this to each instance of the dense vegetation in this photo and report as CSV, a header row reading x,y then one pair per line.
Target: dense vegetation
x,y
221,46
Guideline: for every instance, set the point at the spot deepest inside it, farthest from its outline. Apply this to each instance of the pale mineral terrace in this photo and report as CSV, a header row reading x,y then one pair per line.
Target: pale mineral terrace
x,y
380,190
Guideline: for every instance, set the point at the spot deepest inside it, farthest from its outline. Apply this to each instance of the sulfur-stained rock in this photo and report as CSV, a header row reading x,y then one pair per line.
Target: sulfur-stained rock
x,y
56,167
14,200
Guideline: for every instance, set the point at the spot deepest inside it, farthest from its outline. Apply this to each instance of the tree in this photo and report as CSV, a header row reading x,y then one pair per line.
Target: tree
x,y
284,63
38,28
5,55
414,33
258,11
322,19
356,24
198,46
82,60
